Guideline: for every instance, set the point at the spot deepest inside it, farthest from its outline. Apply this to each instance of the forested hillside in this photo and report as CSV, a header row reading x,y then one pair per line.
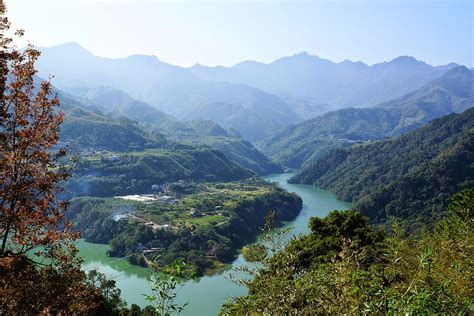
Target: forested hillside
x,y
119,109
298,144
87,130
345,264
135,172
301,144
413,175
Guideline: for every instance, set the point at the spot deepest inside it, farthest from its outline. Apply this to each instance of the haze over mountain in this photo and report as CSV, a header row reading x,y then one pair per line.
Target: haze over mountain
x,y
86,129
344,84
299,144
105,104
253,98
175,90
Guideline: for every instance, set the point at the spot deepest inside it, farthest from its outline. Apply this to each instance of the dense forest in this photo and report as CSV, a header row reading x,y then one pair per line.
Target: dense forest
x,y
413,175
112,174
345,264
85,128
304,143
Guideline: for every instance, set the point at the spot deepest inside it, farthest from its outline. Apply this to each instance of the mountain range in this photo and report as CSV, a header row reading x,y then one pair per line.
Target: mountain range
x,y
345,84
116,104
175,90
108,119
253,98
228,108
301,144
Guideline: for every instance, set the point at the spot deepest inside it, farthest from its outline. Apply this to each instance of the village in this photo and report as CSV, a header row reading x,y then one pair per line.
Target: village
x,y
179,204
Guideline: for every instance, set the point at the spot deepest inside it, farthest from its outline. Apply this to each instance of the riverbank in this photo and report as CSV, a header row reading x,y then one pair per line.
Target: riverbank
x,y
206,295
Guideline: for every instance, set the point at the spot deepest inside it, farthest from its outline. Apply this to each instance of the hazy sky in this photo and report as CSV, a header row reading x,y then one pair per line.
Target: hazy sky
x,y
227,32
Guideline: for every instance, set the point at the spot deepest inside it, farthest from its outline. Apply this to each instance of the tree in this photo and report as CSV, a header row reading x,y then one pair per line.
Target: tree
x,y
165,289
39,270
31,169
345,266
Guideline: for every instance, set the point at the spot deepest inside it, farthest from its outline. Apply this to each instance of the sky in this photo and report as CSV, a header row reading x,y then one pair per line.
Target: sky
x,y
227,32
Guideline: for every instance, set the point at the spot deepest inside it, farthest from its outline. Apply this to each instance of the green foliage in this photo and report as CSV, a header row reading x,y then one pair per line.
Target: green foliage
x,y
243,153
231,143
412,176
230,217
109,300
304,144
88,129
298,145
253,253
165,289
354,269
136,172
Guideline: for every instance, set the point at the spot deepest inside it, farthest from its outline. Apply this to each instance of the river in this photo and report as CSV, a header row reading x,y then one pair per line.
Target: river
x,y
206,295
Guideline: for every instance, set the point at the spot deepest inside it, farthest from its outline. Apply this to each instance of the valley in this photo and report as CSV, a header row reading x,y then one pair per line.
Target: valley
x,y
303,144
208,293
136,181
416,172
203,224
150,189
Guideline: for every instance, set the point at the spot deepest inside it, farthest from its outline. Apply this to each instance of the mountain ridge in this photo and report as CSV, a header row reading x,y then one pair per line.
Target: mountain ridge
x,y
170,88
299,144
410,176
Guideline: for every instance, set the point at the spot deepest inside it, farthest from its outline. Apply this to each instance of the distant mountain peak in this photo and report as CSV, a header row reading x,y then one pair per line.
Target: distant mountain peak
x,y
69,47
447,67
346,61
452,65
405,60
355,63
459,72
303,53
246,64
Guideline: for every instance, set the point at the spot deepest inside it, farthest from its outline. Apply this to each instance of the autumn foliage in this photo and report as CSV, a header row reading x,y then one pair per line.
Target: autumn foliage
x,y
39,271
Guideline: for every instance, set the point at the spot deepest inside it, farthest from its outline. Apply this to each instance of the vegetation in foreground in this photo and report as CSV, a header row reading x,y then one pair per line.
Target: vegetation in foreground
x,y
346,266
39,270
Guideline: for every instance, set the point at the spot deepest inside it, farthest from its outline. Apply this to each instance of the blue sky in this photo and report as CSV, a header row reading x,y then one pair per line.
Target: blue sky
x,y
227,32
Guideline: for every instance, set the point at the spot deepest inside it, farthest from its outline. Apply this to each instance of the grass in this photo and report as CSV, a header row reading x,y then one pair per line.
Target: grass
x,y
205,220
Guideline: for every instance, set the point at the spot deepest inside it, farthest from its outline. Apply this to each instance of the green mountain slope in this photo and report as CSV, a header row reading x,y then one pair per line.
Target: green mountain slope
x,y
414,174
136,172
243,153
422,195
297,145
84,129
117,104
117,156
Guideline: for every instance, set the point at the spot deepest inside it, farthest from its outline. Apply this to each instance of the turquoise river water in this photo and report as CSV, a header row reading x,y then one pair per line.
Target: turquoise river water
x,y
206,295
